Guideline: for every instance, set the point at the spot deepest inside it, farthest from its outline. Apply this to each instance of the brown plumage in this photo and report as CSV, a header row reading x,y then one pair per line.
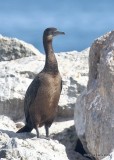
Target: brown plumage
x,y
42,96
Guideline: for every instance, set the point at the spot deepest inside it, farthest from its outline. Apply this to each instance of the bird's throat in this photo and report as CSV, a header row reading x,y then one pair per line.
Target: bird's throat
x,y
51,65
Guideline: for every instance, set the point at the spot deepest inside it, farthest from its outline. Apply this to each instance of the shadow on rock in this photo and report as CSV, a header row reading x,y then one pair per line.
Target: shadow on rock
x,y
68,139
13,134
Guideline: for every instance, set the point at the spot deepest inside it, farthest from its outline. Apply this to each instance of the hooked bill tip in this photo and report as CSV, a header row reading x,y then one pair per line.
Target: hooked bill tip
x,y
63,32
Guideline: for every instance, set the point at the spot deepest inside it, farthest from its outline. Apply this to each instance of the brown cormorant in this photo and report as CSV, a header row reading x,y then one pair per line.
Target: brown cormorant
x,y
42,96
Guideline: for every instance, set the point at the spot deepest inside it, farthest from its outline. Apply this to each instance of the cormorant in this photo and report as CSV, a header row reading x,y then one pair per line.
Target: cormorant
x,y
42,96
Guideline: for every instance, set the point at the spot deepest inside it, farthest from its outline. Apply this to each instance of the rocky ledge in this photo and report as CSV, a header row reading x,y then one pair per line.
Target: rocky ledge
x,y
27,146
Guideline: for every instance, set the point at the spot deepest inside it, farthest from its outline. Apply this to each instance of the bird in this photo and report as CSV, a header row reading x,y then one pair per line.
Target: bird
x,y
43,94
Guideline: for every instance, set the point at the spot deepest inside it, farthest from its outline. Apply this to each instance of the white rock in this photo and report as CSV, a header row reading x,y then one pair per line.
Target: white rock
x,y
18,146
109,157
12,48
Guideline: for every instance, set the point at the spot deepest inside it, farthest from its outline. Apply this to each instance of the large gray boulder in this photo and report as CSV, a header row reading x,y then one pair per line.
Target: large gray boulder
x,y
94,110
17,74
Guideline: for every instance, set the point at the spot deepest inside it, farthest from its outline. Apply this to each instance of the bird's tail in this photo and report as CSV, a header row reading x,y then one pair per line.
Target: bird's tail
x,y
26,128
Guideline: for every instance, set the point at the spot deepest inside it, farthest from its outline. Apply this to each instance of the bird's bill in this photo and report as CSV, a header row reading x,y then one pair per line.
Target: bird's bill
x,y
58,33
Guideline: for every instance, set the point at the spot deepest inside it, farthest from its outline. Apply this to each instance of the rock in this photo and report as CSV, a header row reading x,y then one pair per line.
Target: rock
x,y
7,124
74,76
20,125
41,149
19,146
94,110
15,77
109,157
12,48
17,74
27,146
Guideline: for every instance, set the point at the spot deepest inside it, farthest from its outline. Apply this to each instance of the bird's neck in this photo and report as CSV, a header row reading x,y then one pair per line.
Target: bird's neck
x,y
51,65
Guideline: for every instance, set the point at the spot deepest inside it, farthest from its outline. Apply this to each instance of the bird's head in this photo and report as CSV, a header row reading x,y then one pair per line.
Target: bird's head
x,y
49,33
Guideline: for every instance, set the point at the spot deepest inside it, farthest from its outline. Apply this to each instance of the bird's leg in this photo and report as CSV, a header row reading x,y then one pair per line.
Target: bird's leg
x,y
47,130
37,132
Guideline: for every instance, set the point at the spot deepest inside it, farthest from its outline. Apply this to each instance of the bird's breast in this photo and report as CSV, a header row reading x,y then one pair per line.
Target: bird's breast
x,y
49,92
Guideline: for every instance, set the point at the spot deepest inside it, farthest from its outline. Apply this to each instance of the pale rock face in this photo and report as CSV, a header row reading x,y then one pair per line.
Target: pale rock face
x,y
110,156
94,110
15,77
12,48
17,72
26,146
73,67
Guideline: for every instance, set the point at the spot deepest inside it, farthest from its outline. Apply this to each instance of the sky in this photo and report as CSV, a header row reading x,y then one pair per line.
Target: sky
x,y
82,21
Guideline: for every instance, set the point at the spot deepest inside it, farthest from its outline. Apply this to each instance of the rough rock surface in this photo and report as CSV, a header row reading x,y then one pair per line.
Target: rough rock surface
x,y
109,157
17,74
73,67
12,48
94,110
26,146
17,146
